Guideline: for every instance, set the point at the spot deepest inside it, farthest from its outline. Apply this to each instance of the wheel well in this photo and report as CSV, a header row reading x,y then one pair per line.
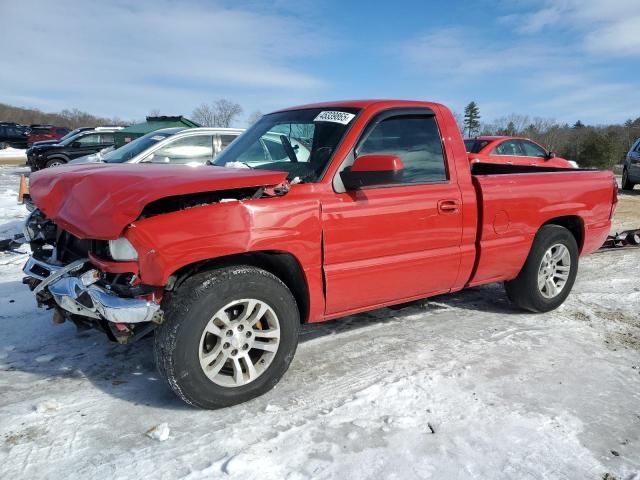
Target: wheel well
x,y
281,264
572,223
57,157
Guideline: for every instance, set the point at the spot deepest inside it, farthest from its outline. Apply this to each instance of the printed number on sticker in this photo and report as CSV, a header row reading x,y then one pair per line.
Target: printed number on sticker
x,y
336,117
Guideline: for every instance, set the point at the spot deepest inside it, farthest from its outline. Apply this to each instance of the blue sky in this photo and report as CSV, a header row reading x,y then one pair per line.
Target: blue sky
x,y
563,59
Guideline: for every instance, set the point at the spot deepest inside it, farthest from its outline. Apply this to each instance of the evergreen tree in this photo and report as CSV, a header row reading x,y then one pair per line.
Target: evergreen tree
x,y
471,118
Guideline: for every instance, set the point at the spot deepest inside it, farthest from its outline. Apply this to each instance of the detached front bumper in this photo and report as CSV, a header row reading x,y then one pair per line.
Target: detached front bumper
x,y
72,295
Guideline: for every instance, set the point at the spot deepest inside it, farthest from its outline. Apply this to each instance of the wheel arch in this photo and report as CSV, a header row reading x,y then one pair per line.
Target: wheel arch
x,y
573,223
283,265
56,156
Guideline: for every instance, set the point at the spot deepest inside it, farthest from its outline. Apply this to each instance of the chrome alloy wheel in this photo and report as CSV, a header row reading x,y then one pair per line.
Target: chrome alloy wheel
x,y
554,270
239,342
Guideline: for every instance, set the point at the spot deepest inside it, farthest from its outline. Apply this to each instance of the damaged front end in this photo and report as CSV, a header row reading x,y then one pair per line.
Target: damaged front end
x,y
62,277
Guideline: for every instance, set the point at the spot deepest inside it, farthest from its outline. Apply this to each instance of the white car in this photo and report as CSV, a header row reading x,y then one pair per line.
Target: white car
x,y
187,146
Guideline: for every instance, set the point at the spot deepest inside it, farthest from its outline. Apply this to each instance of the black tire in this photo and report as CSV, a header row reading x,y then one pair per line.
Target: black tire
x,y
55,162
523,291
188,311
626,184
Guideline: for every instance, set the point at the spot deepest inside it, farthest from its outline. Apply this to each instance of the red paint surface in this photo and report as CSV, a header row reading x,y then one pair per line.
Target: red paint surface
x,y
98,201
377,163
358,250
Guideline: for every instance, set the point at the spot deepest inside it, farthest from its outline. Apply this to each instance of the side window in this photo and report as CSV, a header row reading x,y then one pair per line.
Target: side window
x,y
62,131
638,146
88,140
226,140
106,138
510,147
532,150
194,149
222,141
416,140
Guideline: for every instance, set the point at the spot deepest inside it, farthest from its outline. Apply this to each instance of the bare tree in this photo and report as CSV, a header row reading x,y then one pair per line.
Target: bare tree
x,y
225,112
220,113
254,117
204,115
154,112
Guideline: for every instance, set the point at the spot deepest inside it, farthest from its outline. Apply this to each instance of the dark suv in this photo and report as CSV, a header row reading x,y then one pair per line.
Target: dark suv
x,y
13,135
631,169
79,145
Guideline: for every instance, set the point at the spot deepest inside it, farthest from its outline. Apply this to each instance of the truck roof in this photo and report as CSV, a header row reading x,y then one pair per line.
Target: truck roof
x,y
495,137
363,104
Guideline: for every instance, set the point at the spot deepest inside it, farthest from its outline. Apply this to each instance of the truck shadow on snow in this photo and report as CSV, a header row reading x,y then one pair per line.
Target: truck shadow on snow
x,y
127,372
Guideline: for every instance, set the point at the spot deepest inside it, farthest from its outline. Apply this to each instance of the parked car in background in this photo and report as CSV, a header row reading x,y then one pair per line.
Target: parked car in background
x,y
79,145
191,146
75,132
13,135
38,133
512,151
631,168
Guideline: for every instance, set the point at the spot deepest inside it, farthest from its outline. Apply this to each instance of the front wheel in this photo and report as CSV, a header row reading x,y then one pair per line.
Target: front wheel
x,y
626,184
55,162
229,335
548,275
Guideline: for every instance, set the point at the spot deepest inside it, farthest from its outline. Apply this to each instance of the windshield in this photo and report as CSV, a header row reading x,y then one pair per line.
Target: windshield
x,y
299,142
72,133
474,145
68,139
133,148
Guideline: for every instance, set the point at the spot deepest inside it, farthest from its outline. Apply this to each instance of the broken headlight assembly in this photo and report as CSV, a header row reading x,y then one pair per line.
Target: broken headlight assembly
x,y
122,250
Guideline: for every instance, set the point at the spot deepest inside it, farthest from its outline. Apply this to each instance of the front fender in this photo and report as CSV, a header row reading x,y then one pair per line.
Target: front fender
x,y
168,242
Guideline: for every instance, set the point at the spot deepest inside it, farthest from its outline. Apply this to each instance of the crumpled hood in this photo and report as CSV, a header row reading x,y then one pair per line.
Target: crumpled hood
x,y
98,201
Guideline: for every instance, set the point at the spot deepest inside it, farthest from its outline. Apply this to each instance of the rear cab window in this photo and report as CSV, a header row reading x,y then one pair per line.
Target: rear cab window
x,y
474,145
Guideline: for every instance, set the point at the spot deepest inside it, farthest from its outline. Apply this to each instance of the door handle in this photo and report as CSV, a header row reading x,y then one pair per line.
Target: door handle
x,y
448,206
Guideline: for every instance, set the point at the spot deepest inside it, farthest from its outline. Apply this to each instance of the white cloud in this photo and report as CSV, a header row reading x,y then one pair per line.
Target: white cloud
x,y
456,52
543,76
606,27
123,58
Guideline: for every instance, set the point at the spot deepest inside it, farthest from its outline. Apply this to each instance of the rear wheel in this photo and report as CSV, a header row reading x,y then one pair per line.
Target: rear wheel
x,y
549,273
228,336
626,183
55,162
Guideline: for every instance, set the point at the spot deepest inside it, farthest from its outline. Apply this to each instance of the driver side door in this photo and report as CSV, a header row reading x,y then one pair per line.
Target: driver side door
x,y
391,243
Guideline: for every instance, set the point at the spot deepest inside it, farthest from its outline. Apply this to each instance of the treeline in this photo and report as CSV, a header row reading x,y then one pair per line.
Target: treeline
x,y
600,146
66,118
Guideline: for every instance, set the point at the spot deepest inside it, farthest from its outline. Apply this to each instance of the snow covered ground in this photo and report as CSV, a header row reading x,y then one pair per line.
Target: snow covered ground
x,y
460,386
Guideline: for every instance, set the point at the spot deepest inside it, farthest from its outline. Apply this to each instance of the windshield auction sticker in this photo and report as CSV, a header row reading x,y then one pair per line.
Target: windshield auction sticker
x,y
337,117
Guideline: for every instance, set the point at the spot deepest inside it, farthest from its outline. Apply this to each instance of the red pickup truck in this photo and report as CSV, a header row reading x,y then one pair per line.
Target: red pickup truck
x,y
315,212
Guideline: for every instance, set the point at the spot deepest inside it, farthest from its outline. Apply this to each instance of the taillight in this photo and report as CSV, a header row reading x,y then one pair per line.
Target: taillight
x,y
614,200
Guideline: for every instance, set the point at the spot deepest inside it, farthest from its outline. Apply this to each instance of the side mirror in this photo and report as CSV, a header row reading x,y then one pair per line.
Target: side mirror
x,y
372,170
76,144
550,155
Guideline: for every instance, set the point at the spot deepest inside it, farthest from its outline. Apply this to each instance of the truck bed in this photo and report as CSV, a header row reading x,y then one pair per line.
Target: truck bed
x,y
513,201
